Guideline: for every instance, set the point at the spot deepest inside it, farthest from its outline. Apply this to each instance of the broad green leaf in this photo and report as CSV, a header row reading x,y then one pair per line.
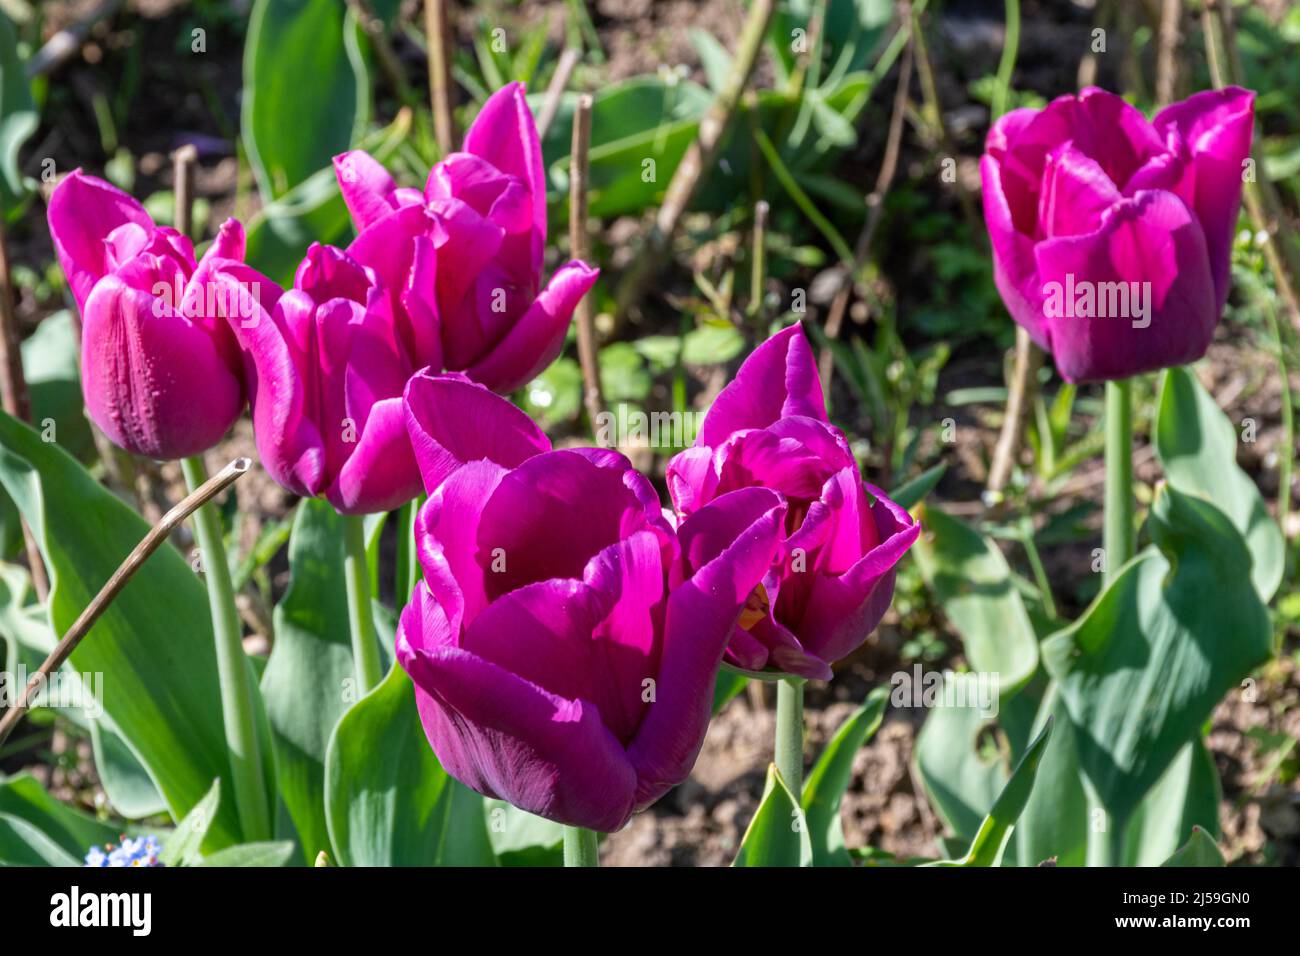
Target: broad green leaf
x,y
153,644
1197,446
829,778
727,685
387,799
22,797
523,839
18,120
1199,850
1144,667
912,493
778,834
252,854
971,579
1055,822
309,681
23,844
1184,799
306,89
127,784
991,838
960,771
181,847
712,344
714,58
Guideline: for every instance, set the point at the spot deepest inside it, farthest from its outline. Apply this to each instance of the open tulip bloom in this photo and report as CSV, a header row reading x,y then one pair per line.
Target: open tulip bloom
x,y
565,639
1112,235
462,260
159,368
843,537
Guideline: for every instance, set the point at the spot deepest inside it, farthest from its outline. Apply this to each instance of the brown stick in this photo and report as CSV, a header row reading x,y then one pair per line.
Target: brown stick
x,y
16,400
559,83
183,161
699,158
1171,13
139,554
435,28
1020,396
875,212
758,261
580,248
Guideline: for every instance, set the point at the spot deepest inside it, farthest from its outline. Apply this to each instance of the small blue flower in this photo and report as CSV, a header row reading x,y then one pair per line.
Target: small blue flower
x,y
132,851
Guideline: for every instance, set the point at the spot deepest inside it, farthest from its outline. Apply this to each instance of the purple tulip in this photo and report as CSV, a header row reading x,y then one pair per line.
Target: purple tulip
x,y
463,258
565,639
835,576
325,378
159,368
1112,236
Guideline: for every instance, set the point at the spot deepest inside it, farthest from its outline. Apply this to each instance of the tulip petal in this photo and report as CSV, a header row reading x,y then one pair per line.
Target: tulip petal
x,y
779,379
83,211
1152,238
727,546
1014,271
506,737
446,531
154,382
452,421
1217,126
505,134
537,338
1075,193
366,186
380,474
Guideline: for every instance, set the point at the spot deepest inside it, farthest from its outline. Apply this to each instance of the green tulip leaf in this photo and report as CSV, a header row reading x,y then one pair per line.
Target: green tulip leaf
x,y
153,644
18,121
778,833
278,853
1142,669
1197,446
388,801
73,832
1199,850
24,844
181,847
830,776
306,89
971,579
912,493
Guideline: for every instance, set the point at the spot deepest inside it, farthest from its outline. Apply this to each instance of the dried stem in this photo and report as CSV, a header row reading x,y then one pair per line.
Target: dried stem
x,y
559,83
758,261
183,161
17,402
435,26
139,554
580,248
699,158
875,209
1171,13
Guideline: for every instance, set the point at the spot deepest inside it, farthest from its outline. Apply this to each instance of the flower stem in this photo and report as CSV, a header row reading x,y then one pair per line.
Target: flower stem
x,y
789,733
580,848
237,695
365,645
1117,532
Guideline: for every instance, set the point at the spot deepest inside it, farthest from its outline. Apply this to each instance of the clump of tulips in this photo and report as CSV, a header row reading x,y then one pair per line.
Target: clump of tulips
x,y
566,631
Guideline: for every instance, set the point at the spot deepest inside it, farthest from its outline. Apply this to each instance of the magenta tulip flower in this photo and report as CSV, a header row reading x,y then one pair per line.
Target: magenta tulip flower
x,y
565,639
463,258
159,368
843,537
1112,236
325,377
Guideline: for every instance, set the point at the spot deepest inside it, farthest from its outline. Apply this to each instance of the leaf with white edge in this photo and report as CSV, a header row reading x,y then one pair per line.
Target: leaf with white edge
x,y
778,833
1197,445
1199,850
22,797
520,838
830,775
24,844
252,854
181,846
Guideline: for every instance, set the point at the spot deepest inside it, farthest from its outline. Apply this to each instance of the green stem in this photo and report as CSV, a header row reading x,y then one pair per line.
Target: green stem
x,y
789,733
237,700
365,646
408,563
1007,65
1117,532
580,847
